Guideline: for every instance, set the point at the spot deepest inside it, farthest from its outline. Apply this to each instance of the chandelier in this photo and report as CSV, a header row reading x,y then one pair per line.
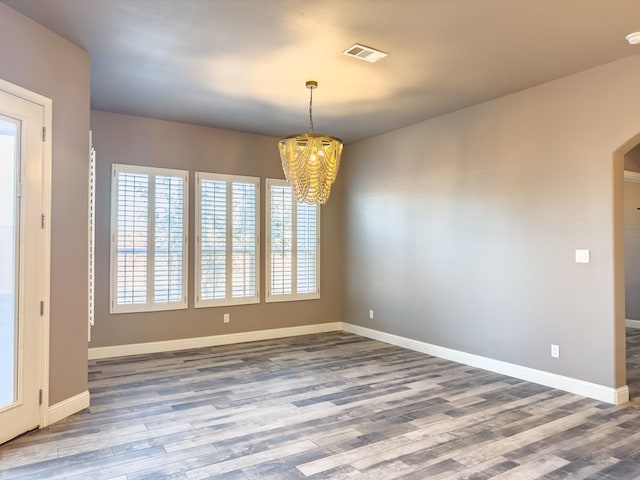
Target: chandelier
x,y
310,161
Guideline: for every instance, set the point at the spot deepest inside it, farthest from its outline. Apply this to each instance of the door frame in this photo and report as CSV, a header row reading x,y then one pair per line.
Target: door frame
x,y
43,361
630,177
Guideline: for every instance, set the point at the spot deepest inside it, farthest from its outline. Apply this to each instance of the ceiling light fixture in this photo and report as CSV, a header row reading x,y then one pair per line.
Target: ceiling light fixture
x,y
633,38
310,161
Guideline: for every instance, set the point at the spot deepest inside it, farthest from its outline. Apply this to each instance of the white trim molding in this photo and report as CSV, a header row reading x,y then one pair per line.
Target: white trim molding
x,y
68,407
97,353
615,396
47,155
580,387
632,323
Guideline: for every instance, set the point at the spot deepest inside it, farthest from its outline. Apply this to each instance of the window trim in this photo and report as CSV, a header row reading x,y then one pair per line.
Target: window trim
x,y
149,305
271,182
228,300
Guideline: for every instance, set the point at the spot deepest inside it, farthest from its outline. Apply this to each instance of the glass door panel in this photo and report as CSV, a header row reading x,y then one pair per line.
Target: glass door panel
x,y
9,255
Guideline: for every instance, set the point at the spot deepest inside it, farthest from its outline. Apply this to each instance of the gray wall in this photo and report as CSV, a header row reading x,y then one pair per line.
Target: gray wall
x,y
37,59
632,249
142,141
460,231
632,160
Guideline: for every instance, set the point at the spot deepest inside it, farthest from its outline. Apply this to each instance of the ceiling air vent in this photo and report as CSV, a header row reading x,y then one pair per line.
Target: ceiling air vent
x,y
362,52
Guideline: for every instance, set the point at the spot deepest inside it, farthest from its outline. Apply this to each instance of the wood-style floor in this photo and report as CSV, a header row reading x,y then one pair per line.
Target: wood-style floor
x,y
329,406
633,362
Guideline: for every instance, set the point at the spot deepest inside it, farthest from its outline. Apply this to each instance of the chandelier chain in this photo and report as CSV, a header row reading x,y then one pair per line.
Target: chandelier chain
x,y
310,108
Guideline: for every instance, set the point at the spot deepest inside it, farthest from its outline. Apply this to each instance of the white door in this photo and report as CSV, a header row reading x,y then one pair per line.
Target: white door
x,y
21,263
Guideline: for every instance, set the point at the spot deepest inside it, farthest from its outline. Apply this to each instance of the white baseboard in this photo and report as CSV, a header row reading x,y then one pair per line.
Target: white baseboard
x,y
67,407
97,353
580,387
632,323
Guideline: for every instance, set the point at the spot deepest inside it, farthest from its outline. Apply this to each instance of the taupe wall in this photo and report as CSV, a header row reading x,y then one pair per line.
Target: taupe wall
x,y
142,141
35,58
632,249
460,231
632,160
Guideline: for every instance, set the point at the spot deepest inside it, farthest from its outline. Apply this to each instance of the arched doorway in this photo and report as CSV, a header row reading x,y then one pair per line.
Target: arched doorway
x,y
627,264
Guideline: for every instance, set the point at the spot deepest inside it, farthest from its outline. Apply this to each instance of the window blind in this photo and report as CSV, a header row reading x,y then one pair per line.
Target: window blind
x,y
213,239
307,232
169,233
244,240
281,240
227,247
133,238
92,235
149,223
293,245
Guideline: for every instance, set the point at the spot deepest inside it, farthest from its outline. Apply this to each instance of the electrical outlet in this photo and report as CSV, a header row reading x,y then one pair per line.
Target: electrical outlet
x,y
370,314
226,318
555,351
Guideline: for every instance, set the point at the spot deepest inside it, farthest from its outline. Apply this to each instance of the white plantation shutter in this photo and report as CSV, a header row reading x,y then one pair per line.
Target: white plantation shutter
x,y
227,243
281,208
132,238
149,238
92,234
307,234
244,236
293,245
213,238
169,234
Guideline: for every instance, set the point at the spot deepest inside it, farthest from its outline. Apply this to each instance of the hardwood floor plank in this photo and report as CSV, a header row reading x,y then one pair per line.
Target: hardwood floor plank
x,y
536,468
250,460
326,406
486,470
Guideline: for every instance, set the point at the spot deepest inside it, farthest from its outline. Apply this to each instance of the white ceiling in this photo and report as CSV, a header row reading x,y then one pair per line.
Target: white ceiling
x,y
242,64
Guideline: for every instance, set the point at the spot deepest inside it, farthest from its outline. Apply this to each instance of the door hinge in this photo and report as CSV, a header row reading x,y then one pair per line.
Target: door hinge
x,y
41,308
44,134
42,221
40,397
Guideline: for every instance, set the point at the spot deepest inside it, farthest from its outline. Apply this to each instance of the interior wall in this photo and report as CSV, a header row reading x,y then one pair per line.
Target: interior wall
x,y
143,141
38,60
461,231
632,160
632,249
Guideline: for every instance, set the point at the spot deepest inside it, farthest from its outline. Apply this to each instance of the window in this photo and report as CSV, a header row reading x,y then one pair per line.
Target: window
x,y
293,245
227,240
149,228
